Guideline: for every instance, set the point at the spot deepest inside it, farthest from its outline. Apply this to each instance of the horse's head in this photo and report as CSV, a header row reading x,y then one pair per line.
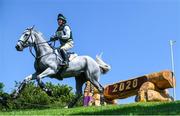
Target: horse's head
x,y
25,40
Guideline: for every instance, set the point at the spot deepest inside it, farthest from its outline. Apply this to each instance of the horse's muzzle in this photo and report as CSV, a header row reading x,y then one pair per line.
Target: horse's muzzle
x,y
18,47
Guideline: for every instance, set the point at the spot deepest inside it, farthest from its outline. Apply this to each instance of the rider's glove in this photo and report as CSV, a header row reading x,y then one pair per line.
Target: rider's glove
x,y
53,38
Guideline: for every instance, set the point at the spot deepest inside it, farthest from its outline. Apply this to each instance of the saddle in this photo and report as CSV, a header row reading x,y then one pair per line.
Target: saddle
x,y
70,55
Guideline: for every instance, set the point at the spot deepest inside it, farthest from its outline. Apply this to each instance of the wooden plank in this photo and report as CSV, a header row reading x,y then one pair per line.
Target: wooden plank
x,y
124,89
127,88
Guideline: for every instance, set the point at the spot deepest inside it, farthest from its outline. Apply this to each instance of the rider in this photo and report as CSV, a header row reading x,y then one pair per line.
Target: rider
x,y
64,35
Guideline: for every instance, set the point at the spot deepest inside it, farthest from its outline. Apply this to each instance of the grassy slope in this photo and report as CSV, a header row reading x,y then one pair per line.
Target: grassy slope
x,y
128,109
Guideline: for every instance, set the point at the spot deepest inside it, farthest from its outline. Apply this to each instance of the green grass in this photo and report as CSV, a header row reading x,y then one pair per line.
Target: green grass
x,y
150,108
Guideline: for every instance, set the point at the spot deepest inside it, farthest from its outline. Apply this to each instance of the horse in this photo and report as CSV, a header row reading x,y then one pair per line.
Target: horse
x,y
47,64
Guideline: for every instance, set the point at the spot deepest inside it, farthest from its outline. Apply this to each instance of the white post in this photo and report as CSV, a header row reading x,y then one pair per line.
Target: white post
x,y
172,64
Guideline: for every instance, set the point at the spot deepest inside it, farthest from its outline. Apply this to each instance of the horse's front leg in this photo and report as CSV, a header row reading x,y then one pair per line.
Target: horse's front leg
x,y
47,72
22,85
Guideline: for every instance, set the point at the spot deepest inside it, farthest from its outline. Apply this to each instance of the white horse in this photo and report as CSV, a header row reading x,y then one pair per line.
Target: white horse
x,y
48,64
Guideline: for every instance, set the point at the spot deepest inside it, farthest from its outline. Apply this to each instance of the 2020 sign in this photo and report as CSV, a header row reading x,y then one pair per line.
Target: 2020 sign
x,y
126,85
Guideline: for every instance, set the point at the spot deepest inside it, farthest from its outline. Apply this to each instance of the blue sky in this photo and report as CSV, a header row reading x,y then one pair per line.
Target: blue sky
x,y
133,35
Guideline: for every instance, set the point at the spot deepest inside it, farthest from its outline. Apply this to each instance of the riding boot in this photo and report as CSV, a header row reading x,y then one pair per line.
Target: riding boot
x,y
65,58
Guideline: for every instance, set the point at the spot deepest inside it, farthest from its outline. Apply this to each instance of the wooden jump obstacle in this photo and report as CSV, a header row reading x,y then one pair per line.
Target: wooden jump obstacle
x,y
157,82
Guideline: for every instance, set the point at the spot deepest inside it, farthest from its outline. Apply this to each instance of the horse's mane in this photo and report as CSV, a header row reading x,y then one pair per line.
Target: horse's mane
x,y
39,33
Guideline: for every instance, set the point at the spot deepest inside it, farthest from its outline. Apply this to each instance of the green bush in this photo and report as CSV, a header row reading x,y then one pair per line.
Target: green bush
x,y
1,87
33,97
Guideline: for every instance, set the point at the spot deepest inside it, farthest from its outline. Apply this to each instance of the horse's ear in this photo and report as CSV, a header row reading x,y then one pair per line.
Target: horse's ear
x,y
32,27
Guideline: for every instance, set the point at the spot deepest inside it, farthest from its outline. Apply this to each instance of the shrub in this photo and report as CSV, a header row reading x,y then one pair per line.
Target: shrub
x,y
33,96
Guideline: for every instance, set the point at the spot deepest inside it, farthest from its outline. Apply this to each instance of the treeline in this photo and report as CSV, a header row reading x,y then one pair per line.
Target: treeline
x,y
34,97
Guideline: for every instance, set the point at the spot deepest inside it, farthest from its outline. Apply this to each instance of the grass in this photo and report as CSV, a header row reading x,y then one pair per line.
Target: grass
x,y
159,108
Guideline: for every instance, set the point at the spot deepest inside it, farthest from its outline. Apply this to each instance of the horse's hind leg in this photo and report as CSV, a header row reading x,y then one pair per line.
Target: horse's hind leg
x,y
80,80
98,86
93,78
100,89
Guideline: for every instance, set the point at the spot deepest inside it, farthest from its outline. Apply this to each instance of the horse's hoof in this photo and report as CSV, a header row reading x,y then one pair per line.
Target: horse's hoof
x,y
14,96
50,93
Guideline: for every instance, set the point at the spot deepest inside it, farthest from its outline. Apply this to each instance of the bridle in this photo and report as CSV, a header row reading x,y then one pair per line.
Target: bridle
x,y
24,43
30,45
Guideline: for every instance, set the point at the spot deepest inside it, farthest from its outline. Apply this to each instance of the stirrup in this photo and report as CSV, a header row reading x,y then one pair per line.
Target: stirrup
x,y
65,64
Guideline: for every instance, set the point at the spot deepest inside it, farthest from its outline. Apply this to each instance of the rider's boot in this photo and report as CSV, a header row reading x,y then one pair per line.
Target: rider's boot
x,y
65,58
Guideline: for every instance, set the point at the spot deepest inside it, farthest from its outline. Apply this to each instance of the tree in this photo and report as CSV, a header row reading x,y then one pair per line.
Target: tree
x,y
1,87
32,96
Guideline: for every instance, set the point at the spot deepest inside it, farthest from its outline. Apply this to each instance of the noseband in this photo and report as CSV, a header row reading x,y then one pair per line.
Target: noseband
x,y
23,43
30,45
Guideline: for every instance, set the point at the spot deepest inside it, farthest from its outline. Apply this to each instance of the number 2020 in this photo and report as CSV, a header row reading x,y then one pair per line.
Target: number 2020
x,y
125,85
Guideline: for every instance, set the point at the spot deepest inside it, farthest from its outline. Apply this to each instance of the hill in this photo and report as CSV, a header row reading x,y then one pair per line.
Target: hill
x,y
160,108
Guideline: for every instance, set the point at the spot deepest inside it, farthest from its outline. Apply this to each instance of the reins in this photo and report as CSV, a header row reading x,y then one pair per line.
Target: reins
x,y
36,44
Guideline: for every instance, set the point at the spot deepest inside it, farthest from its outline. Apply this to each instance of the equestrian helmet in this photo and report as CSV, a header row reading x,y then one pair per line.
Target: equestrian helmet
x,y
60,16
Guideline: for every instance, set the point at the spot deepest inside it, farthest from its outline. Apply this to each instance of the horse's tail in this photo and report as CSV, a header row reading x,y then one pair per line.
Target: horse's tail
x,y
103,66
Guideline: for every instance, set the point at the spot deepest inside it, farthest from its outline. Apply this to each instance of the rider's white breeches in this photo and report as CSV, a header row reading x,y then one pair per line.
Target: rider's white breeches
x,y
67,46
